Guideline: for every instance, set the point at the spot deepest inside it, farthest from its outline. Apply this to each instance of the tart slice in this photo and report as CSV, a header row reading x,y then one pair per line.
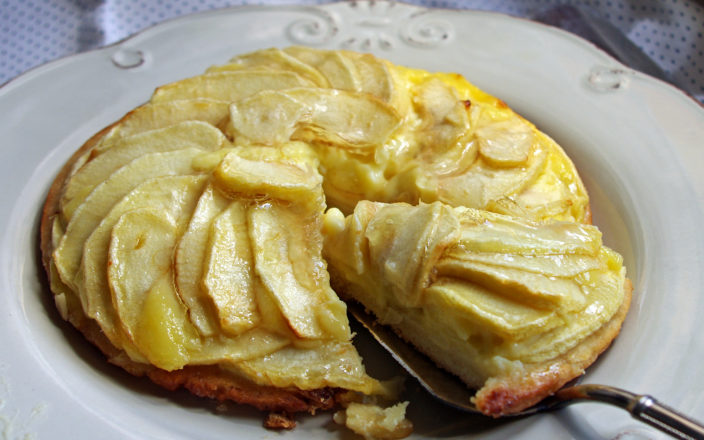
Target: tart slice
x,y
515,308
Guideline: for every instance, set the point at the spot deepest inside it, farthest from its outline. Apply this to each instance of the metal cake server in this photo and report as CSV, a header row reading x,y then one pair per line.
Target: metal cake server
x,y
452,391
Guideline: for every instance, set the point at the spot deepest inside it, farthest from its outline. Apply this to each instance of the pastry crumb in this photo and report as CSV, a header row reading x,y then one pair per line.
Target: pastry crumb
x,y
374,422
279,421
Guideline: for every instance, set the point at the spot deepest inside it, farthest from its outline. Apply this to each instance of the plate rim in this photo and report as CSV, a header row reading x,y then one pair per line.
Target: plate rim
x,y
46,68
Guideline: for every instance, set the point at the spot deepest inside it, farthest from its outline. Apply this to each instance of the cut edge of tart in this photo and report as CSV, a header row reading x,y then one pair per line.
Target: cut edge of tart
x,y
514,308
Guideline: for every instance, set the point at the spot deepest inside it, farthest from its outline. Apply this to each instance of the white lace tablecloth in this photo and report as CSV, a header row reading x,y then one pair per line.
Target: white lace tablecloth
x,y
33,32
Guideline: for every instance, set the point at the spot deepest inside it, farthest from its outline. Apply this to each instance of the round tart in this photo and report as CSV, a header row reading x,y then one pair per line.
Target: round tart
x,y
186,239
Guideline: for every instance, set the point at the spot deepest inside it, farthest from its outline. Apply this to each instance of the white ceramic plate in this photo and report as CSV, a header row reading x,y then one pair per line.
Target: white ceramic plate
x,y
637,142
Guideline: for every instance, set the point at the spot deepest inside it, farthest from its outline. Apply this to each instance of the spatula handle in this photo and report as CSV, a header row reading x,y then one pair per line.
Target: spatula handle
x,y
642,407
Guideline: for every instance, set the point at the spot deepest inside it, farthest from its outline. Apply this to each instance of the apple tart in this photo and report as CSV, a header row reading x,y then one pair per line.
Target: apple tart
x,y
513,307
185,240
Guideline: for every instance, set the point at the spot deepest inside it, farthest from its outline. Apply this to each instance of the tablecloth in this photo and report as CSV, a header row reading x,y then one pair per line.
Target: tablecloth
x,y
34,32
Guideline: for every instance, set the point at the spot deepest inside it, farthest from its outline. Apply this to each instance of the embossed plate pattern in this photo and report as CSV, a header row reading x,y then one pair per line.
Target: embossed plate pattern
x,y
636,141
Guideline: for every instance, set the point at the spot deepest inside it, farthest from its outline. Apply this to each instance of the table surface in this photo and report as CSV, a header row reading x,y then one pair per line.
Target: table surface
x,y
33,32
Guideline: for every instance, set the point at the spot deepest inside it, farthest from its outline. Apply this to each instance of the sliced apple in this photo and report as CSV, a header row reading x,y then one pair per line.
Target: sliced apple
x,y
271,255
453,161
347,120
229,271
141,248
267,118
163,332
251,344
187,134
176,197
301,307
506,143
488,232
374,75
501,181
444,128
558,194
474,307
404,244
303,222
324,117
437,103
351,71
275,59
346,234
89,214
163,114
258,178
229,86
603,289
482,183
339,71
271,317
534,289
189,260
139,275
333,364
553,265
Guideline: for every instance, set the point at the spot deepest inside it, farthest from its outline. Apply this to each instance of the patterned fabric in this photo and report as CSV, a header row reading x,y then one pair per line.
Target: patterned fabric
x,y
36,31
